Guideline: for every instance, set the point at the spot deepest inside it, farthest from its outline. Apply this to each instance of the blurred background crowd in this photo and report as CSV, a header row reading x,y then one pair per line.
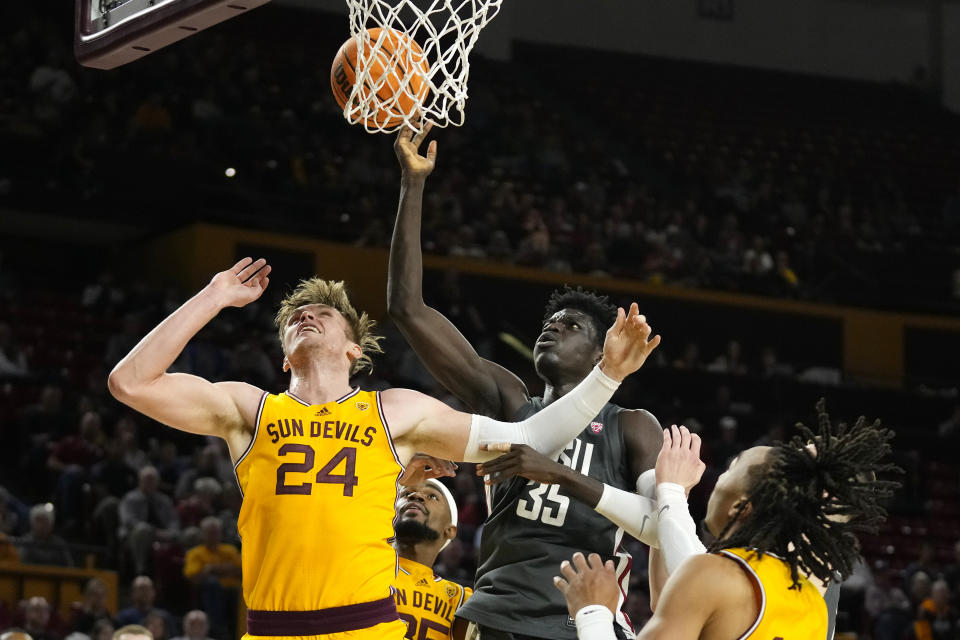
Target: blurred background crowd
x,y
690,175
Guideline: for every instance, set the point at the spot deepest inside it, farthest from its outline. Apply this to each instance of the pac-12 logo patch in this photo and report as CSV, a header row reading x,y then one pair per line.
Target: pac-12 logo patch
x,y
451,590
363,406
596,427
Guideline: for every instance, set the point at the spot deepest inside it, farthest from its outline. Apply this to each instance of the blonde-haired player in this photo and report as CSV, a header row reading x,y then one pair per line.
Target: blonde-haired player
x,y
319,463
426,523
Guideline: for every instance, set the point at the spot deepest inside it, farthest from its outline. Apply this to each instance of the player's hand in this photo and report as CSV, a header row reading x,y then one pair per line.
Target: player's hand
x,y
407,148
423,467
519,460
679,460
588,581
241,284
628,344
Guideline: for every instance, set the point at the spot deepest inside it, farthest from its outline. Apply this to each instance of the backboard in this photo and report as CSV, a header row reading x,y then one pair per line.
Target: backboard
x,y
111,33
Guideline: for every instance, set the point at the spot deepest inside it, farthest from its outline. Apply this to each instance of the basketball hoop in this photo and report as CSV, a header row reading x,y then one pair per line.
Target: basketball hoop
x,y
440,33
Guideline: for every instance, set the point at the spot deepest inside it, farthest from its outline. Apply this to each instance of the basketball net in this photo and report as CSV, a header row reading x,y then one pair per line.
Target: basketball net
x,y
445,31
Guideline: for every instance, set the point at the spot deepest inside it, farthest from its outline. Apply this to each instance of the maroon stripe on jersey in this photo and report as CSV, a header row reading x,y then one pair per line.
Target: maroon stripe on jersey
x,y
351,617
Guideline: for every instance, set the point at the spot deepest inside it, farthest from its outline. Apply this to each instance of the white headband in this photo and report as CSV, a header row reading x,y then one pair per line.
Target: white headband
x,y
439,486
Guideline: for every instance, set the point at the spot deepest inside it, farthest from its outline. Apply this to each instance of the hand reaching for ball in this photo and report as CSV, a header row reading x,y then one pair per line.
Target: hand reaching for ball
x,y
407,149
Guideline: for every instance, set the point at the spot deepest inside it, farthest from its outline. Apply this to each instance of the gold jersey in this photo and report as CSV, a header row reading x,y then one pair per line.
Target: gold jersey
x,y
427,602
785,613
319,486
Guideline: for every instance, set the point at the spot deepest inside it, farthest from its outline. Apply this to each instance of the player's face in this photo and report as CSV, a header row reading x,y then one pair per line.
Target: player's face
x,y
316,326
426,505
567,339
732,488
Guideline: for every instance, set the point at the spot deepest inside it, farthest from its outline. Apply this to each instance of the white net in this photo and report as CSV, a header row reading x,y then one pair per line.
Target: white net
x,y
412,60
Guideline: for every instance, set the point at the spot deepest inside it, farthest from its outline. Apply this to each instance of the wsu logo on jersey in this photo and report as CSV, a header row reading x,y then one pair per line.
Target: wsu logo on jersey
x,y
363,406
596,427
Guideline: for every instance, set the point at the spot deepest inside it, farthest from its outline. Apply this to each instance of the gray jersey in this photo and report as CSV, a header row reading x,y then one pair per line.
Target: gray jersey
x,y
533,527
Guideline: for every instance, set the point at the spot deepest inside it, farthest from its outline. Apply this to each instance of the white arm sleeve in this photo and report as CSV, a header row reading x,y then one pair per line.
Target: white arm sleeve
x,y
595,622
636,514
546,431
677,530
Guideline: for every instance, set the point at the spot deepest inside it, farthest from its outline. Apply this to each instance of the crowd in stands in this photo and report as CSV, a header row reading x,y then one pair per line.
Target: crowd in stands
x,y
683,174
89,478
709,178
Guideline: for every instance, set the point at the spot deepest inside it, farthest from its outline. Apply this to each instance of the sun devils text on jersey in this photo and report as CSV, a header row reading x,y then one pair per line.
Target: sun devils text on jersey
x,y
427,602
319,484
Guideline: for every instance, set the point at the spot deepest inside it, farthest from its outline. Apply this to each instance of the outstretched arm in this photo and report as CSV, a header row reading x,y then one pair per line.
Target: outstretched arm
x,y
186,402
485,387
420,423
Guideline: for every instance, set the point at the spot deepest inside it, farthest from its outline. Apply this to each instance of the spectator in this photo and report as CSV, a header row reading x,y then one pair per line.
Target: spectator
x,y
690,360
81,450
147,515
195,626
38,425
921,586
200,504
112,476
92,609
212,463
15,634
925,562
215,568
102,630
37,619
132,632
144,597
40,545
937,618
126,434
72,459
157,625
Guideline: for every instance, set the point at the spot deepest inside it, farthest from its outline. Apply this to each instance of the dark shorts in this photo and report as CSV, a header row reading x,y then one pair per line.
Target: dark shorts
x,y
489,633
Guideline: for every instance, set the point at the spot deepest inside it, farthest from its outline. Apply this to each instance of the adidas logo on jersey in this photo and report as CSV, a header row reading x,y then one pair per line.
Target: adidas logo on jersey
x,y
422,582
363,406
323,412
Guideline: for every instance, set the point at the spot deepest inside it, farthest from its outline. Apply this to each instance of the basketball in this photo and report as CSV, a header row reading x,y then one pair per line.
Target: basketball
x,y
394,74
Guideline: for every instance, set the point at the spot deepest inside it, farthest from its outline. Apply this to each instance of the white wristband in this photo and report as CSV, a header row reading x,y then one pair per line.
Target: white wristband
x,y
595,622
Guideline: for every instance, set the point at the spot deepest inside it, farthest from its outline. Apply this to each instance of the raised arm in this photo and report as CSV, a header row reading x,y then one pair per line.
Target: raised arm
x,y
420,423
186,402
485,387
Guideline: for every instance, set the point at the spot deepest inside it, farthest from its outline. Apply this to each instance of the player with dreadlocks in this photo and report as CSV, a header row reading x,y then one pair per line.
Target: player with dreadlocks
x,y
785,520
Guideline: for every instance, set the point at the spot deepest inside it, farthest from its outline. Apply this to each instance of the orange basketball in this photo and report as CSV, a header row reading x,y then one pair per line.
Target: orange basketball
x,y
398,78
